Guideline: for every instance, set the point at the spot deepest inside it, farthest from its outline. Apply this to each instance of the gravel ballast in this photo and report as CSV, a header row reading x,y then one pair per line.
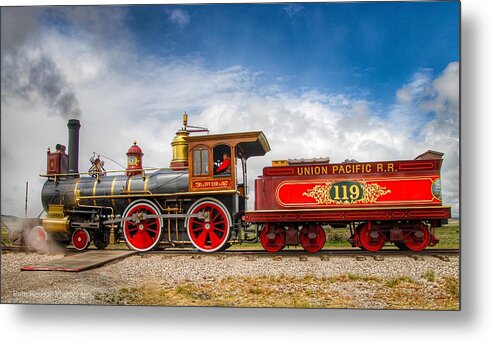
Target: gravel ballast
x,y
165,270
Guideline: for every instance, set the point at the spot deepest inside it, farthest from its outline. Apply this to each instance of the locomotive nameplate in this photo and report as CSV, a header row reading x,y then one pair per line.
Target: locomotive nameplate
x,y
213,184
344,192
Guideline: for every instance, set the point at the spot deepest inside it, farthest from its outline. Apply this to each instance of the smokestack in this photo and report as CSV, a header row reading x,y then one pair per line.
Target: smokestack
x,y
73,145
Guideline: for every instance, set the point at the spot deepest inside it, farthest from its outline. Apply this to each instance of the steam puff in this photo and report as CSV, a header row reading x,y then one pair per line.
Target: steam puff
x,y
32,241
18,228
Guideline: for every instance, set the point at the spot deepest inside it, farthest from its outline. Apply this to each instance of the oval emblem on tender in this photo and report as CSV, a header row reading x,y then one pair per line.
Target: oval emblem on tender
x,y
436,189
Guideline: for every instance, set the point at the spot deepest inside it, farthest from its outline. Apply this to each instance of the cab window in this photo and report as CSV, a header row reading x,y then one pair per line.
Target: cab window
x,y
222,160
200,162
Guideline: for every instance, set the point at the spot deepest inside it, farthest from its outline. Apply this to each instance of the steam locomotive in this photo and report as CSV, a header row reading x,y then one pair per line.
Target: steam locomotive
x,y
200,200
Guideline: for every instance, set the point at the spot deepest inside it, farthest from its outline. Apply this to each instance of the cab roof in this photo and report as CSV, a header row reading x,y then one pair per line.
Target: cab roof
x,y
252,144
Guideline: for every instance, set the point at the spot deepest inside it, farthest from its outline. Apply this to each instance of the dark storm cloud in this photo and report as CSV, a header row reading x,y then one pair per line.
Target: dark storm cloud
x,y
17,26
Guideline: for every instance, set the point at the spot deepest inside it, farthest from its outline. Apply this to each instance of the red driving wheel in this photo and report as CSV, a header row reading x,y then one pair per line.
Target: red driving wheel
x,y
142,232
272,238
38,238
418,238
209,232
312,238
81,239
371,240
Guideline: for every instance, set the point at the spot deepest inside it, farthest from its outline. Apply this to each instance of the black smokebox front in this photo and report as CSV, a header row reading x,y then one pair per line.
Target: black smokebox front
x,y
73,145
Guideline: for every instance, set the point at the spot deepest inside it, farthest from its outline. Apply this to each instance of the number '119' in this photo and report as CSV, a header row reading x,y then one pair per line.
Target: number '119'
x,y
351,192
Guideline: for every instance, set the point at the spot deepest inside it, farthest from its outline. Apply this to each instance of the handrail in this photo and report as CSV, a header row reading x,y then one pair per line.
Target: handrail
x,y
54,175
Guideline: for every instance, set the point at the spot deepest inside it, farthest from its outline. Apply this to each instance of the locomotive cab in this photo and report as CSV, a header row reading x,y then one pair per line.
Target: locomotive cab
x,y
218,162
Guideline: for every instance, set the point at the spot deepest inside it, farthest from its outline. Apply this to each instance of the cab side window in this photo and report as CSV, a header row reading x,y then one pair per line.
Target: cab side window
x,y
200,162
222,160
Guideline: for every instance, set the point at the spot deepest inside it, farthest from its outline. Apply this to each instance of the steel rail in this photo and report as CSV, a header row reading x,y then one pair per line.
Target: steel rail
x,y
259,252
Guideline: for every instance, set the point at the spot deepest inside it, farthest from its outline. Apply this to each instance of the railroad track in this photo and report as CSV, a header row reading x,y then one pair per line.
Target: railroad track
x,y
328,252
286,253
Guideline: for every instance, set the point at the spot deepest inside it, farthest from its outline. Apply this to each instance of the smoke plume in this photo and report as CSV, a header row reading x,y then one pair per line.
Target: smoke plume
x,y
28,71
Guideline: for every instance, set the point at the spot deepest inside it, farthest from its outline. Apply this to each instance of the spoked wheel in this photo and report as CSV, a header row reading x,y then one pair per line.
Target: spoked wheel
x,y
143,229
272,238
38,238
210,232
418,238
312,238
81,239
372,240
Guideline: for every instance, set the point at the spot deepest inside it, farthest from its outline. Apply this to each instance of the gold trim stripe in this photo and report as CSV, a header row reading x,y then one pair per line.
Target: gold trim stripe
x,y
129,186
94,190
112,191
75,191
145,184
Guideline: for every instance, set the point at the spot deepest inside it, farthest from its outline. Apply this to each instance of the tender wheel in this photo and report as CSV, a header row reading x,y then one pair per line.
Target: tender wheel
x,y
211,232
142,232
38,238
418,238
272,238
372,240
81,239
312,238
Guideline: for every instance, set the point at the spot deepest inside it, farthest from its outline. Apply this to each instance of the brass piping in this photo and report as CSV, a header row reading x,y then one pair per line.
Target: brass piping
x,y
110,171
168,226
177,231
137,192
169,229
95,207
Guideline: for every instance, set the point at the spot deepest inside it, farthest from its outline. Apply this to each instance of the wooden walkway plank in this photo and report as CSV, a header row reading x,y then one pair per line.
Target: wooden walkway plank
x,y
80,261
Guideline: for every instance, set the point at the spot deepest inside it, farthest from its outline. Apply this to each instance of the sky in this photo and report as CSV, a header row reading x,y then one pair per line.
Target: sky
x,y
365,81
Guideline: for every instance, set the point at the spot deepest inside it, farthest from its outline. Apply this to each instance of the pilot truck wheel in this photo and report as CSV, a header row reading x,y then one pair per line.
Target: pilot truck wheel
x,y
38,238
81,239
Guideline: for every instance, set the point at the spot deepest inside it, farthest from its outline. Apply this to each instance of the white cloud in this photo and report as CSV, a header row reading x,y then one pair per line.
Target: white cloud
x,y
179,17
123,96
